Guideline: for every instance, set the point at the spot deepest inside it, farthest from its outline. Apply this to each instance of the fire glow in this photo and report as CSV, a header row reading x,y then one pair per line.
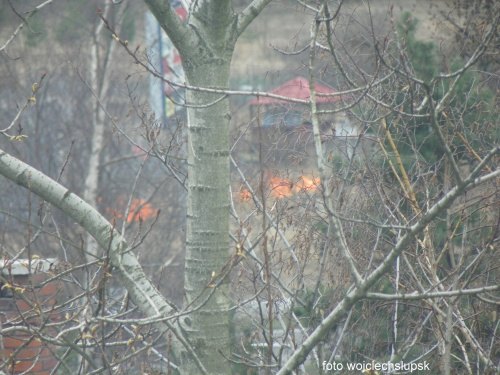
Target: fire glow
x,y
139,210
280,187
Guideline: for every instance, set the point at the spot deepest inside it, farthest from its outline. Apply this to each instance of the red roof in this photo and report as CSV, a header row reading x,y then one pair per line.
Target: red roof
x,y
297,88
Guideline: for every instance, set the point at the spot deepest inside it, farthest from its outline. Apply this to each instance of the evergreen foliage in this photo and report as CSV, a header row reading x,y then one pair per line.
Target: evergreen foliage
x,y
472,104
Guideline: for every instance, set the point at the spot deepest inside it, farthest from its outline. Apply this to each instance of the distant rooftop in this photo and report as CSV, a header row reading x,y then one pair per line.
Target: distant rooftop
x,y
297,88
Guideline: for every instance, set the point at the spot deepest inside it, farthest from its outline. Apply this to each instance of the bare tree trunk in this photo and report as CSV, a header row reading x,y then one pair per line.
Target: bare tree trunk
x,y
99,84
207,240
208,220
206,46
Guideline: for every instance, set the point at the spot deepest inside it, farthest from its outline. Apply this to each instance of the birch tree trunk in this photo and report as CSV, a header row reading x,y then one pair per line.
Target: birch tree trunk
x,y
99,84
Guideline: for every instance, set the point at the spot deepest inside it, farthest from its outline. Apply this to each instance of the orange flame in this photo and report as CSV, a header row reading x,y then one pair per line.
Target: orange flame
x,y
308,184
280,187
139,210
283,188
245,195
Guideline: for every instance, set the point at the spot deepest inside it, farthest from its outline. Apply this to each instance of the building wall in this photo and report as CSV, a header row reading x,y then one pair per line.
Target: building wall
x,y
21,351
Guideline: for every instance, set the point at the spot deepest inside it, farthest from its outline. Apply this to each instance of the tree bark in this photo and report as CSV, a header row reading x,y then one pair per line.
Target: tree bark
x,y
206,45
207,240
